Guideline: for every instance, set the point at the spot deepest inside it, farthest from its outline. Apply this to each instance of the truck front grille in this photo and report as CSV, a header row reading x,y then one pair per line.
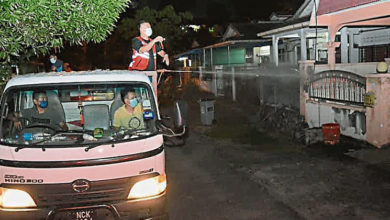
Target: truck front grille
x,y
63,195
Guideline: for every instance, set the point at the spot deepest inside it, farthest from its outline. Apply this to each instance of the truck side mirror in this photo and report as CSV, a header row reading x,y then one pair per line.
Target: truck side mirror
x,y
180,114
179,123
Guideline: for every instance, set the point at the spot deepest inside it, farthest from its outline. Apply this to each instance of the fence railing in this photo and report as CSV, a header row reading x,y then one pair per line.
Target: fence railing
x,y
338,86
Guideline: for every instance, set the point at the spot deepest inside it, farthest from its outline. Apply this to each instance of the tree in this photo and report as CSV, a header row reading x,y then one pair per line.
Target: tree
x,y
166,23
35,27
204,37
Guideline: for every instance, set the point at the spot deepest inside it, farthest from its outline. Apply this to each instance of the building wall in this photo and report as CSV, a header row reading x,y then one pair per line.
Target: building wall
x,y
369,122
378,116
237,56
351,120
220,56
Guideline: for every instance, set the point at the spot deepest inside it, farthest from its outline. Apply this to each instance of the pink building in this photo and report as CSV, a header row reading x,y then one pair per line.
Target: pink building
x,y
338,45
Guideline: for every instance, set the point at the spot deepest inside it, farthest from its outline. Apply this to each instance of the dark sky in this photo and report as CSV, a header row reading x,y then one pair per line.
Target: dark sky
x,y
225,11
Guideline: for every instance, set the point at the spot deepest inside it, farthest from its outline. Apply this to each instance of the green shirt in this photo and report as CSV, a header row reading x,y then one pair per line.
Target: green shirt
x,y
123,119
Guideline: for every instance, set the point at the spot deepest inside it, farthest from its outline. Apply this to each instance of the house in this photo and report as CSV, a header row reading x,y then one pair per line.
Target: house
x,y
338,45
296,36
239,46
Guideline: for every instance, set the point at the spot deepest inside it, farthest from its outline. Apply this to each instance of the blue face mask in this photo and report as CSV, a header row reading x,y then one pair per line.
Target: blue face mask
x,y
52,60
148,32
133,103
43,104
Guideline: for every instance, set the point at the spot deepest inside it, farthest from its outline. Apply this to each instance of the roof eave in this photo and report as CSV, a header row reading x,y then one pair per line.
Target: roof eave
x,y
284,29
232,42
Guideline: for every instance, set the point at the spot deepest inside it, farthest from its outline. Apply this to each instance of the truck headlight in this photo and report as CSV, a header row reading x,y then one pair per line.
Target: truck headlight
x,y
149,187
14,198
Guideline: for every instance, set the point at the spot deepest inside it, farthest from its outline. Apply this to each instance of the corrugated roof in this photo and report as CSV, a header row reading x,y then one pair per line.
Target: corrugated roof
x,y
197,51
329,6
239,43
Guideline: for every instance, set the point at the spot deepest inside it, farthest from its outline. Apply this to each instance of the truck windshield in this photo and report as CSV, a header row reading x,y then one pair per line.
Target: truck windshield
x,y
77,114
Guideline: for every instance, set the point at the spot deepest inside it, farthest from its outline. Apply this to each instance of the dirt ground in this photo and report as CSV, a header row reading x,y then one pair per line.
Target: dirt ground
x,y
316,181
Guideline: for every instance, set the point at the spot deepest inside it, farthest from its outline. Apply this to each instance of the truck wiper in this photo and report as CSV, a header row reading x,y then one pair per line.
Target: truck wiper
x,y
35,144
29,146
132,133
125,134
92,146
47,138
121,135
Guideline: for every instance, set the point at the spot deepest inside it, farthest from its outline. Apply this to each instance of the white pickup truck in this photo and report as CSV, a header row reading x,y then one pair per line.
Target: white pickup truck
x,y
88,169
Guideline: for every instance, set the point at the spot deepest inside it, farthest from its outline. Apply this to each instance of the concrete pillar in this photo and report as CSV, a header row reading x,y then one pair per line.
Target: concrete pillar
x,y
295,55
377,117
200,74
287,54
353,52
233,84
305,67
332,45
215,78
303,45
291,55
359,123
344,120
202,84
211,57
275,50
344,45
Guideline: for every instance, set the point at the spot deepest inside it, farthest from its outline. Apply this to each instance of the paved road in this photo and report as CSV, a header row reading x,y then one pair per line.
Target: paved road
x,y
203,186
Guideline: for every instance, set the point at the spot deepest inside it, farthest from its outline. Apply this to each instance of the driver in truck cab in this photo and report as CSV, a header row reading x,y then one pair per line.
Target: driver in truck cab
x,y
39,113
91,171
129,116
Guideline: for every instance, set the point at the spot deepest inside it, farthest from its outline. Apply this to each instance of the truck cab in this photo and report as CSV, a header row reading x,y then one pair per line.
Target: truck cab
x,y
86,167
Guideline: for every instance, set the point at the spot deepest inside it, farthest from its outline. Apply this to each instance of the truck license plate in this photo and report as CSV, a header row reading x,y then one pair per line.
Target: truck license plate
x,y
84,214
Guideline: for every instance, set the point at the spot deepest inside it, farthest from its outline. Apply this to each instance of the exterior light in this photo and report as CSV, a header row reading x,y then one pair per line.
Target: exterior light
x,y
148,187
14,198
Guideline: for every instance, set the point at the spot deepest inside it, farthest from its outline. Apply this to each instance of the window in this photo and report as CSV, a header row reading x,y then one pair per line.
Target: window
x,y
74,113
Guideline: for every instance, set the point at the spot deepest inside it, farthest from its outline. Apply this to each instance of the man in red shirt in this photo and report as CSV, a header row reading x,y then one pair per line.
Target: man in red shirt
x,y
145,49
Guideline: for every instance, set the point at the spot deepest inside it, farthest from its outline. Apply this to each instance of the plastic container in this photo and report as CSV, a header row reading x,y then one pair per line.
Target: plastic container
x,y
207,111
331,133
